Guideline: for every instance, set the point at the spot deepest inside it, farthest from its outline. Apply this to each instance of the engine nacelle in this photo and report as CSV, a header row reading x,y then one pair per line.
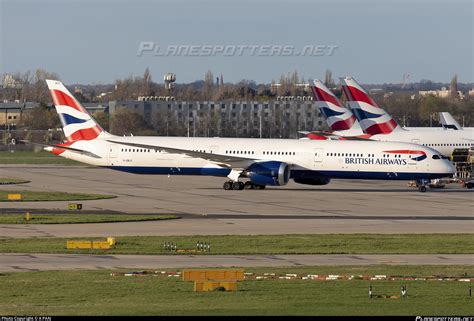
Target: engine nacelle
x,y
313,181
269,173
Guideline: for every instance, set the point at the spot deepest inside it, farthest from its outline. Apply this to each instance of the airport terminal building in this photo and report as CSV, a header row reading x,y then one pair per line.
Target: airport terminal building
x,y
266,119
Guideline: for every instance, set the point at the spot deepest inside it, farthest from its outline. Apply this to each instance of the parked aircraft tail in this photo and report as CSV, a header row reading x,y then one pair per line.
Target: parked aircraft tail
x,y
372,119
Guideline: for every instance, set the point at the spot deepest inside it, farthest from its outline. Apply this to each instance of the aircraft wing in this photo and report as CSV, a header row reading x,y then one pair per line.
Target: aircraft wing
x,y
222,160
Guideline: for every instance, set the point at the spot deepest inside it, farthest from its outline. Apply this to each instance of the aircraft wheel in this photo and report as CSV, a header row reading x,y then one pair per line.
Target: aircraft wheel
x,y
422,188
228,186
237,186
248,185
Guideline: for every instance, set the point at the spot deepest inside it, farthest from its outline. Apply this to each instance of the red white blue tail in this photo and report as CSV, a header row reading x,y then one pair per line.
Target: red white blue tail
x,y
372,119
77,123
338,117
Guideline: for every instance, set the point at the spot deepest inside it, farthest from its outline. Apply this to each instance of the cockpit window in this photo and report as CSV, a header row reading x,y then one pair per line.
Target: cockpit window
x,y
436,157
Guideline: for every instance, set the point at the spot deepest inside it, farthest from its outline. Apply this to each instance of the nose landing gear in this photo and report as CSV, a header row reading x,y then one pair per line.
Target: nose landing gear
x,y
421,184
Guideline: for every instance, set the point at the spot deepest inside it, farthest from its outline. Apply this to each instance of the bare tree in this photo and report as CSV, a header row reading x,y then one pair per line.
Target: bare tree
x,y
146,86
126,122
453,87
208,85
293,80
328,81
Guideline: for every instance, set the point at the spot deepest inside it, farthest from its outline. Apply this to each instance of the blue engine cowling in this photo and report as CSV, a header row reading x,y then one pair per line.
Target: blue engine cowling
x,y
269,173
313,181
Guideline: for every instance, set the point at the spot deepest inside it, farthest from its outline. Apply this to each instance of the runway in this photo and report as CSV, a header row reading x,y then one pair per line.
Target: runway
x,y
237,227
19,262
204,195
343,206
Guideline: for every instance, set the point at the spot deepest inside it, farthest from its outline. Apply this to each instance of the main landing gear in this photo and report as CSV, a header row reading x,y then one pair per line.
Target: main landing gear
x,y
238,186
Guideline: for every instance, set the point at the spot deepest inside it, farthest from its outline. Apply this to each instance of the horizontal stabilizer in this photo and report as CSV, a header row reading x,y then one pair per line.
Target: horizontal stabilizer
x,y
59,146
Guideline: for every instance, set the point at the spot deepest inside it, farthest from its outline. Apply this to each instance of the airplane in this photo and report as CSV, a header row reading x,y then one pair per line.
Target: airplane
x,y
375,124
343,123
448,122
264,162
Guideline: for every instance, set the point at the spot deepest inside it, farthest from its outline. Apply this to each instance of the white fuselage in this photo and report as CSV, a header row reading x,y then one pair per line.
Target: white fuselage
x,y
306,158
444,141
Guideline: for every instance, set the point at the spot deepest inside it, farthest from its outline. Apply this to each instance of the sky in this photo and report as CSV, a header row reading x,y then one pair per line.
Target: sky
x,y
94,42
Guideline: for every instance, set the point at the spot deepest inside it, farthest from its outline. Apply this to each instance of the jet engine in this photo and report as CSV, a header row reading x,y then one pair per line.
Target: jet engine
x,y
270,173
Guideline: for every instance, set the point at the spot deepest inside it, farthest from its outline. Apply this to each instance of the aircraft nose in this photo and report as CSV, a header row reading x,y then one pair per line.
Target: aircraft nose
x,y
449,167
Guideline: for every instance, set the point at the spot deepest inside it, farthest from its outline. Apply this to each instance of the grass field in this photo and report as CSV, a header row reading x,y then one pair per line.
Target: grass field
x,y
6,180
28,196
98,293
42,157
78,218
266,244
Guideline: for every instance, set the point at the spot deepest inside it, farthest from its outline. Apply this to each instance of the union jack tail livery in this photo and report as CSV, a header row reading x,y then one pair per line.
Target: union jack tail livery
x,y
372,119
338,117
78,125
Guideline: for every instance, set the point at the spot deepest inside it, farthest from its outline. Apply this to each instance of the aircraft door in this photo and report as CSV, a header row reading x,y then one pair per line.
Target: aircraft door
x,y
318,155
113,150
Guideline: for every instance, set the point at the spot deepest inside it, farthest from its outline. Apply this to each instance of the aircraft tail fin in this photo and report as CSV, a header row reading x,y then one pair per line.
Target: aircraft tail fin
x,y
448,121
372,118
76,121
337,116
